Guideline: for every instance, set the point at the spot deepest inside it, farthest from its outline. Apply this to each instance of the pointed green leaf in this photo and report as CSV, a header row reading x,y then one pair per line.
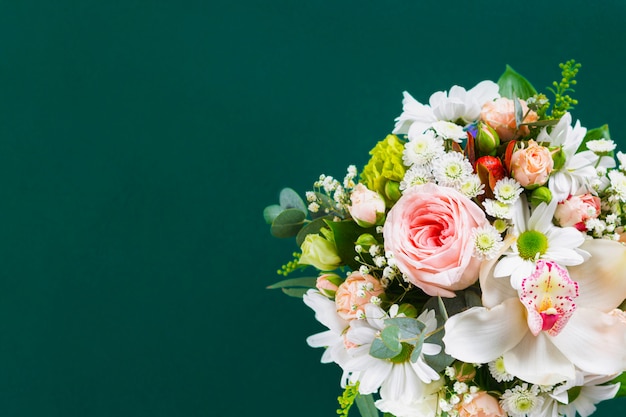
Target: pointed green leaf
x,y
541,123
346,233
288,223
310,228
306,282
271,212
514,85
366,406
417,350
295,292
290,199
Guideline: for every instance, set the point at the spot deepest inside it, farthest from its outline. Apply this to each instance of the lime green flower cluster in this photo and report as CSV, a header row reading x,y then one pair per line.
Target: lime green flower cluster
x,y
385,169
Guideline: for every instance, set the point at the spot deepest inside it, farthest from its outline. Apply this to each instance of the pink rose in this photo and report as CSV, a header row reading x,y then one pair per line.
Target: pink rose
x,y
500,115
482,405
327,284
576,210
368,207
356,291
532,165
429,233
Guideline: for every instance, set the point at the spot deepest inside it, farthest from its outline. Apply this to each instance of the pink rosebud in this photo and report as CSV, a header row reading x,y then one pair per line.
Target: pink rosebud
x,y
327,284
368,207
482,405
531,166
356,291
576,210
429,232
500,115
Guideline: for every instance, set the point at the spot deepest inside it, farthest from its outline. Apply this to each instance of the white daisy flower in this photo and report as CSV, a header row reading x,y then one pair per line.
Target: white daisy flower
x,y
332,340
520,400
497,209
397,378
536,237
507,190
422,149
621,157
416,175
601,145
487,242
451,169
498,371
592,391
472,187
618,184
449,130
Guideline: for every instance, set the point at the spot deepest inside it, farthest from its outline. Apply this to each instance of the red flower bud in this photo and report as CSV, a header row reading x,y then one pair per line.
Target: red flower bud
x,y
490,170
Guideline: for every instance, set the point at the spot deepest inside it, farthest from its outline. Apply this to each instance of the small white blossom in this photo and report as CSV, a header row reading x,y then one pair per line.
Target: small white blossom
x,y
601,145
364,270
416,175
472,187
375,300
507,190
498,371
460,387
380,261
521,401
451,169
374,250
449,130
310,196
498,209
621,157
422,149
618,184
314,207
487,242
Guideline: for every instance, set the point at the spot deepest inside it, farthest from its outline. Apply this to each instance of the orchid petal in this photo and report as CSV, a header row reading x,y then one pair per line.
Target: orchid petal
x,y
536,360
594,341
481,335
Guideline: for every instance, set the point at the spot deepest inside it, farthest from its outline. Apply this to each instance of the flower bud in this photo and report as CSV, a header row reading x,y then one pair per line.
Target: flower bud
x,y
367,207
531,166
490,170
558,157
320,253
408,310
392,191
327,284
487,140
540,195
464,372
366,241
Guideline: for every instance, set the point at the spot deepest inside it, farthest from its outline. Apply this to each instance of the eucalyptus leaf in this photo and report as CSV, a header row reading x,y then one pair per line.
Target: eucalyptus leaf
x,y
295,292
289,198
391,338
310,228
288,223
540,123
271,212
306,282
366,405
409,327
381,351
512,85
417,349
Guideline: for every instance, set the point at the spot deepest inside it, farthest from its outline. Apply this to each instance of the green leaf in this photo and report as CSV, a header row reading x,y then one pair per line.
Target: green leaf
x,y
380,350
311,228
295,292
306,282
519,111
540,123
417,350
346,233
288,198
288,223
512,85
622,389
366,406
391,338
271,212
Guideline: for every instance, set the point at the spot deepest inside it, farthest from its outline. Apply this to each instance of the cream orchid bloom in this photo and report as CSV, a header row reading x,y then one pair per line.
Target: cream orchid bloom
x,y
555,323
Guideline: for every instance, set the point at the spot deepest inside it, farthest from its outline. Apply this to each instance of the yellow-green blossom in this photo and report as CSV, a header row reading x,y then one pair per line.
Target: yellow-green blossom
x,y
385,169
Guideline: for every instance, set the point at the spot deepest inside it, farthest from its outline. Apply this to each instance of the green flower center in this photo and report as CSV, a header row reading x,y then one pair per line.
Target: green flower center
x,y
524,403
404,355
453,171
531,244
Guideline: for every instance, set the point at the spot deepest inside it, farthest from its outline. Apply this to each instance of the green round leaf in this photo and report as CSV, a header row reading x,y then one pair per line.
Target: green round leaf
x,y
288,223
271,212
290,199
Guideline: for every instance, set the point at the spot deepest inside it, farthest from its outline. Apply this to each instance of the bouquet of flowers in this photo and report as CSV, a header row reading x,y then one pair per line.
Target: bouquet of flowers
x,y
475,265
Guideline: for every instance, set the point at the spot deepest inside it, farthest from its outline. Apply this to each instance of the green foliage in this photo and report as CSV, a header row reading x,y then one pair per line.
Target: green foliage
x,y
513,85
366,406
346,400
288,223
562,100
346,233
295,287
622,389
290,266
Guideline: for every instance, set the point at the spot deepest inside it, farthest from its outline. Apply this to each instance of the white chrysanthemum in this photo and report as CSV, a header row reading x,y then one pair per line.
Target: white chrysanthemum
x,y
507,190
535,236
618,184
520,400
497,209
333,339
422,149
498,371
449,130
406,379
416,175
472,187
487,242
451,169
601,145
621,157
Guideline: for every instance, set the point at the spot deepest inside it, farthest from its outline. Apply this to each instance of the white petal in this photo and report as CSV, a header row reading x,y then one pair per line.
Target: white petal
x,y
602,279
494,290
536,360
481,335
323,339
325,310
594,342
372,378
507,265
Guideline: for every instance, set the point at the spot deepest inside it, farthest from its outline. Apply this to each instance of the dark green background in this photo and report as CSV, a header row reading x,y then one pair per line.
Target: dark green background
x,y
140,141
